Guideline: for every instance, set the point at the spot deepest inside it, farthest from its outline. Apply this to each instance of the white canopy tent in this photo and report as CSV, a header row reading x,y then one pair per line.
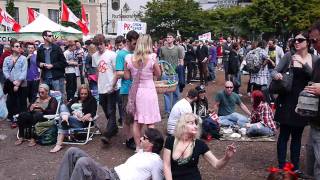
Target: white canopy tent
x,y
43,23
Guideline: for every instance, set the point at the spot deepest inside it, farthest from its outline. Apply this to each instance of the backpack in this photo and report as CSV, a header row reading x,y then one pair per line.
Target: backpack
x,y
254,63
46,132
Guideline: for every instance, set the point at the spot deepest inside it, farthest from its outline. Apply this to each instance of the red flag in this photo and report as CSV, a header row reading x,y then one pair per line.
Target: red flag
x,y
32,15
68,16
83,16
7,20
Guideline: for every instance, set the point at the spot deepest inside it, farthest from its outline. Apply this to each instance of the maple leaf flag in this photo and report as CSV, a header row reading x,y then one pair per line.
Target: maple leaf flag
x,y
32,15
83,16
8,21
68,16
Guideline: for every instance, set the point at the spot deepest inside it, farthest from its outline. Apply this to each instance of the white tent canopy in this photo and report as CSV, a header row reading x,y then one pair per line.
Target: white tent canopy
x,y
43,23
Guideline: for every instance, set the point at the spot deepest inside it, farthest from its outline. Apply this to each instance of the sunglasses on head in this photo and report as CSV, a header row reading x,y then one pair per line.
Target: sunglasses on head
x,y
299,40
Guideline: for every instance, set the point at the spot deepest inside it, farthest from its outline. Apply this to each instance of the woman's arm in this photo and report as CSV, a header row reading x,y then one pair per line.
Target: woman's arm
x,y
156,69
283,63
167,164
220,163
127,74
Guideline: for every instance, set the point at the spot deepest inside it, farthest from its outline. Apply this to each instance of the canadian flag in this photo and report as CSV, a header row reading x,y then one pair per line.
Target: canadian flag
x,y
32,15
7,20
68,16
83,16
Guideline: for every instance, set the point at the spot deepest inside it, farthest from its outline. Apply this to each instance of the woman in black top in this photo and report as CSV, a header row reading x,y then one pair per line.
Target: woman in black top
x,y
182,151
43,105
83,109
291,123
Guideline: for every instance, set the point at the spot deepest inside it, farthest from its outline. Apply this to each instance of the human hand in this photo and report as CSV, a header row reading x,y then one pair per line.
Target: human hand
x,y
230,151
313,89
15,88
49,66
278,76
86,117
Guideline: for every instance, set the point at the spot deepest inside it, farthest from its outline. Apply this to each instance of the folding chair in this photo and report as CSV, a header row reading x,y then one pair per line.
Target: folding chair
x,y
89,131
55,94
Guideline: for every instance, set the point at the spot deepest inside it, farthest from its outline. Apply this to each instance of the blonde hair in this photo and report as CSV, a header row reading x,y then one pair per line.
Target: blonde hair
x,y
180,129
143,48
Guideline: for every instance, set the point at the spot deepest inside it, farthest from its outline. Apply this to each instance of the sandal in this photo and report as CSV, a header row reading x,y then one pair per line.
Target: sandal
x,y
19,142
56,149
32,143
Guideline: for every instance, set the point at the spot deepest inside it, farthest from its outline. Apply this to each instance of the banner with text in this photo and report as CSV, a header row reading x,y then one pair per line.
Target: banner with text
x,y
125,26
206,36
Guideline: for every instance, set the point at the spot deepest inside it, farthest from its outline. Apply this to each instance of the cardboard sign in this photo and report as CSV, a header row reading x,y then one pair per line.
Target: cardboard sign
x,y
206,36
125,26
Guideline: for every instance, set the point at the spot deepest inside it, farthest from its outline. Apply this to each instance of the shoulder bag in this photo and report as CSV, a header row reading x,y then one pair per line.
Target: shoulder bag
x,y
284,85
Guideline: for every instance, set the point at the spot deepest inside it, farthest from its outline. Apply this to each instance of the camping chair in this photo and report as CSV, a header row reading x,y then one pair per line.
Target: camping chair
x,y
86,133
54,94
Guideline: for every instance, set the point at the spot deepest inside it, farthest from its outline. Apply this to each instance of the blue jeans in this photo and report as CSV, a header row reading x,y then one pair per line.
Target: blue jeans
x,y
258,129
168,101
313,153
233,119
73,121
57,85
212,69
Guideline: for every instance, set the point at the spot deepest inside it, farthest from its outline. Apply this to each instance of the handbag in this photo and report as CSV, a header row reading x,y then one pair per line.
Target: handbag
x,y
8,85
131,104
284,85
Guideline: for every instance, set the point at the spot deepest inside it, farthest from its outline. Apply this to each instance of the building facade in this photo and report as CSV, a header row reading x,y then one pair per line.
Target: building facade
x,y
213,4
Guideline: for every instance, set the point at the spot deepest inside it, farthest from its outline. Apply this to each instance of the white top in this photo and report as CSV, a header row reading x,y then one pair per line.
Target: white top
x,y
181,107
105,64
141,166
69,55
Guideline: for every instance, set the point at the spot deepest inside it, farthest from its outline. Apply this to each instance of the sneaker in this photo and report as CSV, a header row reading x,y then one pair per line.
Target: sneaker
x,y
130,144
301,175
105,140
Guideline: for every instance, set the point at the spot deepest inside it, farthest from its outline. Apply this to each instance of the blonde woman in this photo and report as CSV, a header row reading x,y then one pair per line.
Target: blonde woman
x,y
141,67
91,71
182,151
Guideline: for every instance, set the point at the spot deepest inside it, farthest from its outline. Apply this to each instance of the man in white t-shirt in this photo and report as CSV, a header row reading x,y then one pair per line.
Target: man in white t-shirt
x,y
144,165
104,60
181,107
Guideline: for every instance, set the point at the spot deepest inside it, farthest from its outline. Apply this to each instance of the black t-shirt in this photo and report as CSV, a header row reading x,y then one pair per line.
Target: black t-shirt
x,y
189,170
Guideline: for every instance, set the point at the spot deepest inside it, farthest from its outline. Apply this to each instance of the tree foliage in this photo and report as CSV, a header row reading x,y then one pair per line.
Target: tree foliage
x,y
267,17
10,8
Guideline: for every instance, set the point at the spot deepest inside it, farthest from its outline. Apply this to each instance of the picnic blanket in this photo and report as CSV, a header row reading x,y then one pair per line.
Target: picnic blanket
x,y
229,134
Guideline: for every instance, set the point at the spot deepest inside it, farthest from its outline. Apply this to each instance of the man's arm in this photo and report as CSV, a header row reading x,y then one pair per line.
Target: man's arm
x,y
245,109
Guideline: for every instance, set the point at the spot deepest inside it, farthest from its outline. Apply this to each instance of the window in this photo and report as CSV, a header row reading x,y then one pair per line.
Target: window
x,y
53,14
16,14
92,1
115,4
36,9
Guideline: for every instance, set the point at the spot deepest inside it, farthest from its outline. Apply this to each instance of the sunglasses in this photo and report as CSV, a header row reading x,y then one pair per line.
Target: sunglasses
x,y
17,46
229,87
83,93
42,92
49,35
299,40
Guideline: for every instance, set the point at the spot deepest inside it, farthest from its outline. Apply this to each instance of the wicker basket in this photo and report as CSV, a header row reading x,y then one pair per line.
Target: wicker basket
x,y
164,87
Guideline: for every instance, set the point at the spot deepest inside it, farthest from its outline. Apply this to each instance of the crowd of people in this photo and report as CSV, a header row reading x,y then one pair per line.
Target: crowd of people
x,y
123,76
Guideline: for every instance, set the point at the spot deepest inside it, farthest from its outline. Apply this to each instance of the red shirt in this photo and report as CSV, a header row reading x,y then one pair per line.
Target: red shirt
x,y
263,113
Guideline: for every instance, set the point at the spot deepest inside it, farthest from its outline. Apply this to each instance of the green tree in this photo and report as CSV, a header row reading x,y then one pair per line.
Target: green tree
x,y
75,7
10,8
164,16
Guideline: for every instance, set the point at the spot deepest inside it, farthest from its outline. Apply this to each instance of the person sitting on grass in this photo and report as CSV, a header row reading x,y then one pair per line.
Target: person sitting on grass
x,y
144,165
83,109
200,106
262,123
44,105
182,151
225,102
